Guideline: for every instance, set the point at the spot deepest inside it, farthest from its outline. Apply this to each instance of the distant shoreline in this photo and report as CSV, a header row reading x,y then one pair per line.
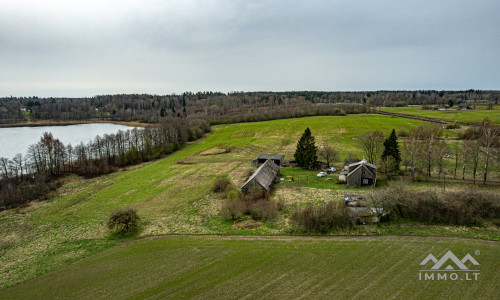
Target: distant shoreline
x,y
39,123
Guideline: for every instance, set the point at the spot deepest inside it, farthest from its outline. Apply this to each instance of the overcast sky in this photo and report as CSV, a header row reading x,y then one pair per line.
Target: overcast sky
x,y
84,48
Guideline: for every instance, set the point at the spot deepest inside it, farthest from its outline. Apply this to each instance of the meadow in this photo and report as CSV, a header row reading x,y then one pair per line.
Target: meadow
x,y
451,114
269,267
172,195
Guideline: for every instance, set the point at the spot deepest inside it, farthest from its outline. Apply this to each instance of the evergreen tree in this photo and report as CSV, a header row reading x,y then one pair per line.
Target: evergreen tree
x,y
305,155
391,148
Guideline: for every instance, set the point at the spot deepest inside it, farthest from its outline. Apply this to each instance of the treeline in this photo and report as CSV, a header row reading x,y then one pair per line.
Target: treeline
x,y
30,176
219,107
426,152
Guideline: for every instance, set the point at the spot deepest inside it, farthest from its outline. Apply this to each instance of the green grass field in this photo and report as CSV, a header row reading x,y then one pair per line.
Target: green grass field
x,y
468,116
265,267
172,195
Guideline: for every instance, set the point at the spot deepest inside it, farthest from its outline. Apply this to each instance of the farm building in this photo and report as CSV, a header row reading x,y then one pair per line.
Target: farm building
x,y
439,107
276,158
360,213
263,177
362,174
464,106
343,176
354,200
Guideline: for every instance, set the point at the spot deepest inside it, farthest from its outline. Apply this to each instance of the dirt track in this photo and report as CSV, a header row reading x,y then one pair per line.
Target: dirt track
x,y
431,120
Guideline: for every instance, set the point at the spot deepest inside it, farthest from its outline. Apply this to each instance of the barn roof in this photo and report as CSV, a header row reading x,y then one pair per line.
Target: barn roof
x,y
264,175
271,156
369,170
363,161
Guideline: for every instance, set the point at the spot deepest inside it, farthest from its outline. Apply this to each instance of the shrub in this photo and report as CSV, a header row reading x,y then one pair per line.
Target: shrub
x,y
452,126
338,112
322,218
233,209
280,205
402,133
459,208
220,184
471,133
233,195
496,223
254,193
263,209
125,221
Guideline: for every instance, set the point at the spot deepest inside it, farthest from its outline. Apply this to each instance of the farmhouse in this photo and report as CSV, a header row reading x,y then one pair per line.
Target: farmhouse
x,y
362,174
439,108
276,158
464,106
263,177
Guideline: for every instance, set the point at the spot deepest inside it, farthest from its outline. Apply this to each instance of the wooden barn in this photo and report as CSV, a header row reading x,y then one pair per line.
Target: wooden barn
x,y
362,174
263,177
276,158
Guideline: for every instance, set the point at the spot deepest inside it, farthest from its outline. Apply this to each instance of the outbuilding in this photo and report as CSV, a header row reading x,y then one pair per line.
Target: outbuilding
x,y
343,176
262,158
362,173
263,177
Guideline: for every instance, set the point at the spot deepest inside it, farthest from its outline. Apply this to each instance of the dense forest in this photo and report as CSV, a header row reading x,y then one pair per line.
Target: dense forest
x,y
219,108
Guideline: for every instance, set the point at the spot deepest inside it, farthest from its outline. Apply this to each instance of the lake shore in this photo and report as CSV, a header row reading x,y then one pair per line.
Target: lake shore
x,y
73,122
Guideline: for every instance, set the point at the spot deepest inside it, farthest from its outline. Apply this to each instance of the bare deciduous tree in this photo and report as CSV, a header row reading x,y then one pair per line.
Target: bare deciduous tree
x,y
329,154
489,137
372,145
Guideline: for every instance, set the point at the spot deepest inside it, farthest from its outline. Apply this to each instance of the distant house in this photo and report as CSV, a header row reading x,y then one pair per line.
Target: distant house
x,y
262,158
362,174
464,105
446,106
439,107
263,177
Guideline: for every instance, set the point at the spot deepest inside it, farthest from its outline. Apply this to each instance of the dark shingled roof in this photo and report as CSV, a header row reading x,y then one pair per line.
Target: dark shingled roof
x,y
271,156
363,161
263,176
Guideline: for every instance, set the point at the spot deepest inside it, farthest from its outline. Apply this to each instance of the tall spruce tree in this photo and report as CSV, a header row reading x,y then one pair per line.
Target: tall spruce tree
x,y
391,148
306,153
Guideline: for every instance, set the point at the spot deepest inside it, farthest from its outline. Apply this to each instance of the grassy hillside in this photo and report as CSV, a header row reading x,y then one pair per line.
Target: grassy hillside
x,y
172,195
263,267
452,114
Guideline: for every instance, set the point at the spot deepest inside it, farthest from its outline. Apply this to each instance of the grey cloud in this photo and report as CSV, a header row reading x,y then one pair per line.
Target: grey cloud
x,y
91,47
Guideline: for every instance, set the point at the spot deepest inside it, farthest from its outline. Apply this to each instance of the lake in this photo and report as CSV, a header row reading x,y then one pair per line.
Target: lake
x,y
15,140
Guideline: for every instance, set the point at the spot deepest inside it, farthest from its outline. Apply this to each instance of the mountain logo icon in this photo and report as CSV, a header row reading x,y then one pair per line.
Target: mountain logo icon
x,y
447,257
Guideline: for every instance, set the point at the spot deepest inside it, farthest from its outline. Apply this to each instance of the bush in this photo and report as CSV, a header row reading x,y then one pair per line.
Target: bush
x,y
471,133
236,205
458,208
125,221
452,126
402,133
220,184
338,112
233,209
263,209
280,205
254,193
322,218
233,195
